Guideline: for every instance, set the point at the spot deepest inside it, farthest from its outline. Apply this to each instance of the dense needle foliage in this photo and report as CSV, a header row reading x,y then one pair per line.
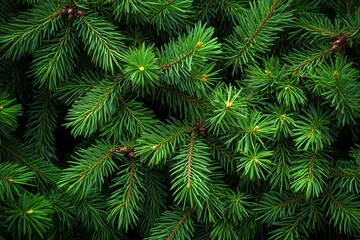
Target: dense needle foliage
x,y
179,119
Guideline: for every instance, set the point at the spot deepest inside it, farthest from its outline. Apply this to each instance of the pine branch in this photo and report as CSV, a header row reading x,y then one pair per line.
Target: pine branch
x,y
127,199
77,87
274,206
256,32
46,173
307,59
8,114
23,34
102,42
141,69
174,224
159,145
89,170
309,172
254,129
255,164
132,11
178,58
170,16
223,229
336,82
29,217
313,130
54,61
130,122
155,203
290,228
92,213
227,105
94,109
13,179
343,210
191,171
42,122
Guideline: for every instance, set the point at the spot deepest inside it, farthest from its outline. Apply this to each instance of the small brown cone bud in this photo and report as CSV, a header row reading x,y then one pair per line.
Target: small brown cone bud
x,y
123,150
79,12
155,147
203,78
334,47
256,128
337,42
70,17
10,180
199,44
228,104
336,74
1,107
70,10
131,154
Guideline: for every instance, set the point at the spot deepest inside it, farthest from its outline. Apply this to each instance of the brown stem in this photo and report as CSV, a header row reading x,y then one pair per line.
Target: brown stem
x,y
189,162
187,213
267,18
166,66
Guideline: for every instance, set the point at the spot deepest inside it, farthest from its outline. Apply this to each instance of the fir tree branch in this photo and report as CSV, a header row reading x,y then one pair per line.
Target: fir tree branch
x,y
311,60
130,186
182,219
41,125
189,158
54,62
23,160
91,167
256,33
127,199
333,199
23,34
170,64
343,210
101,41
94,108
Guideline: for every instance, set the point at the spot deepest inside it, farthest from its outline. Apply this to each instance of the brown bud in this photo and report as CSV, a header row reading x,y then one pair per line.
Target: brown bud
x,y
203,78
334,47
337,42
123,150
155,147
199,44
70,17
70,10
202,130
228,104
79,12
131,154
1,107
10,180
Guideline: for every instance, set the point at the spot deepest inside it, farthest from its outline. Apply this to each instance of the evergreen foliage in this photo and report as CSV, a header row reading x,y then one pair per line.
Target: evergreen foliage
x,y
179,119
